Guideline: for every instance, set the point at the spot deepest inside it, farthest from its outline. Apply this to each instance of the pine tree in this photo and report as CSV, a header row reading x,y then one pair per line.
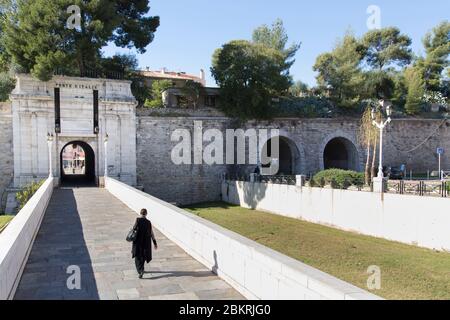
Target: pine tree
x,y
37,37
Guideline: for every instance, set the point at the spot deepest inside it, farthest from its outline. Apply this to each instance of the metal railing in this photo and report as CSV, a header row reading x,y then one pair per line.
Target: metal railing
x,y
237,177
410,187
419,188
280,179
285,179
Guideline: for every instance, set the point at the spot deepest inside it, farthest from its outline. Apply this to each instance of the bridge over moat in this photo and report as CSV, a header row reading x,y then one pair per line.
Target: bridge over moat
x,y
86,227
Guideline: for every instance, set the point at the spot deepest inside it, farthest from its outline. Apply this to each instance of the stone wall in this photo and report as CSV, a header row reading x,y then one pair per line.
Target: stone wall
x,y
6,146
411,142
181,184
414,143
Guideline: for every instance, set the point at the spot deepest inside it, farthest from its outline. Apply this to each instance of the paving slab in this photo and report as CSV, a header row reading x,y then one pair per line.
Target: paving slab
x,y
84,230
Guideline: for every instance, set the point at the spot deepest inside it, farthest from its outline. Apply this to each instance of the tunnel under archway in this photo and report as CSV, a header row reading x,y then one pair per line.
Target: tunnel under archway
x,y
77,162
288,158
341,153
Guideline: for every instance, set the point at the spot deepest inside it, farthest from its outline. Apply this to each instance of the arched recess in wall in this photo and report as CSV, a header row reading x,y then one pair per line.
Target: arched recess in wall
x,y
290,158
340,152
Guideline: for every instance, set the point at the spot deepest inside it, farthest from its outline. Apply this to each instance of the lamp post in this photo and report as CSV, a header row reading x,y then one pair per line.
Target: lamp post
x,y
106,154
50,144
381,125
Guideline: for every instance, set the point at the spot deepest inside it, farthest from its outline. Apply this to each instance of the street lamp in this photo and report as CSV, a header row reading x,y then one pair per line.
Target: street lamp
x,y
50,143
106,154
381,125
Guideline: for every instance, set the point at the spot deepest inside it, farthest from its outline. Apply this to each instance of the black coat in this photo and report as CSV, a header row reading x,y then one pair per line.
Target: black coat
x,y
142,246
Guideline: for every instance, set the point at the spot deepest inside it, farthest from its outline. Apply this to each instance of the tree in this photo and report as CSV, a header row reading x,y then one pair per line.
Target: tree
x,y
125,66
368,136
385,50
433,65
339,72
276,38
37,38
158,87
416,90
250,75
298,89
7,84
378,84
193,90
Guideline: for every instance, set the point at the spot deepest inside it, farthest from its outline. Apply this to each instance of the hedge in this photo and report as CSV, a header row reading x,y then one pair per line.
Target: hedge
x,y
338,179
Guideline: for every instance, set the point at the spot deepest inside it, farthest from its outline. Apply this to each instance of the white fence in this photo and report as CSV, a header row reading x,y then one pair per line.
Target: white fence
x,y
254,270
17,239
422,221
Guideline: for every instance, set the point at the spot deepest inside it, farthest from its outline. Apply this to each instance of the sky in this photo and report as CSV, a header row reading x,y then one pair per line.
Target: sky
x,y
191,30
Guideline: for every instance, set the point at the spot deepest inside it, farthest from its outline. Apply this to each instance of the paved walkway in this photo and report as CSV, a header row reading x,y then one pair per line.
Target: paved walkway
x,y
86,227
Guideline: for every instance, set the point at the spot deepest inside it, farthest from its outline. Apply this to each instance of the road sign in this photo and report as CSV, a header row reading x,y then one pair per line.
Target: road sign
x,y
440,151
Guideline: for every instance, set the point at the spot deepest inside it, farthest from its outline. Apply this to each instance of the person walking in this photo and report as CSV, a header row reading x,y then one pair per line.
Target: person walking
x,y
142,245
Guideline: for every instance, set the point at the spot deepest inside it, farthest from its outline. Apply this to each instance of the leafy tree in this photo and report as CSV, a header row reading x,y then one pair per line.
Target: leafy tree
x,y
433,65
368,137
416,90
250,75
126,66
37,38
158,87
193,90
339,72
298,89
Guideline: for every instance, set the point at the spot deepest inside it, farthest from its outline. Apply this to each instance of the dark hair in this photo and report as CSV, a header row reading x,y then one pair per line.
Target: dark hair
x,y
143,212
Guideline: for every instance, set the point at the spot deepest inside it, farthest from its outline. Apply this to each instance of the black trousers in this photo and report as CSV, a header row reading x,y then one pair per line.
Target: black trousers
x,y
139,261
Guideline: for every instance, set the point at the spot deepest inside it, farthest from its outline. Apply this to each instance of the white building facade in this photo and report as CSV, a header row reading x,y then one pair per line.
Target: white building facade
x,y
73,110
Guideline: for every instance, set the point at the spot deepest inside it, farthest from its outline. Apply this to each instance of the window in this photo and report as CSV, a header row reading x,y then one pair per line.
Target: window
x,y
210,101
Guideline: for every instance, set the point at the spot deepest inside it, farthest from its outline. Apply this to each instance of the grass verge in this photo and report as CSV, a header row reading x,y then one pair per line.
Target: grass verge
x,y
4,220
407,272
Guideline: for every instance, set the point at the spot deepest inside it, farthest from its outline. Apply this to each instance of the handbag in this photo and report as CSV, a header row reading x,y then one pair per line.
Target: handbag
x,y
131,236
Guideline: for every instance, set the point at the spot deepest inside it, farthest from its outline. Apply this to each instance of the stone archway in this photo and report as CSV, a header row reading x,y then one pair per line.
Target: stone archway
x,y
341,153
77,164
289,159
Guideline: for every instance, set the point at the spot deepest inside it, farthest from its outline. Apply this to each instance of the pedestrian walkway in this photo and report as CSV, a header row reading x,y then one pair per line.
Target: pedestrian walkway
x,y
85,228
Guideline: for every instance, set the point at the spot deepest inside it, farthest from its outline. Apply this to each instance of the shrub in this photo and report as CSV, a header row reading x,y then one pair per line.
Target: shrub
x,y
27,192
338,178
7,84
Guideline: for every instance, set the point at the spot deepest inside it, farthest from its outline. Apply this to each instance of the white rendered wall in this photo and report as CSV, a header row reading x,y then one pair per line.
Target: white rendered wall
x,y
253,269
415,220
18,237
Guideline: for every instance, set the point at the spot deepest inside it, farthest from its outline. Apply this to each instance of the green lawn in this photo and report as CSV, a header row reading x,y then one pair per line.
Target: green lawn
x,y
407,272
4,220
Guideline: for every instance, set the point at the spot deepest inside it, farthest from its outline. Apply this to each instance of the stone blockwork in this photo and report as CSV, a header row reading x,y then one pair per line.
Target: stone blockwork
x,y
415,142
181,184
6,147
407,141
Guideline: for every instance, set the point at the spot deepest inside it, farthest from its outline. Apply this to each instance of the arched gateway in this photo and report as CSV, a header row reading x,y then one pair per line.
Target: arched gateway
x,y
68,119
77,164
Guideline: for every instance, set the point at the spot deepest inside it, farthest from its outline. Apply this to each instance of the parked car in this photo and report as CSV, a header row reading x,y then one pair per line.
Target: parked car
x,y
395,172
